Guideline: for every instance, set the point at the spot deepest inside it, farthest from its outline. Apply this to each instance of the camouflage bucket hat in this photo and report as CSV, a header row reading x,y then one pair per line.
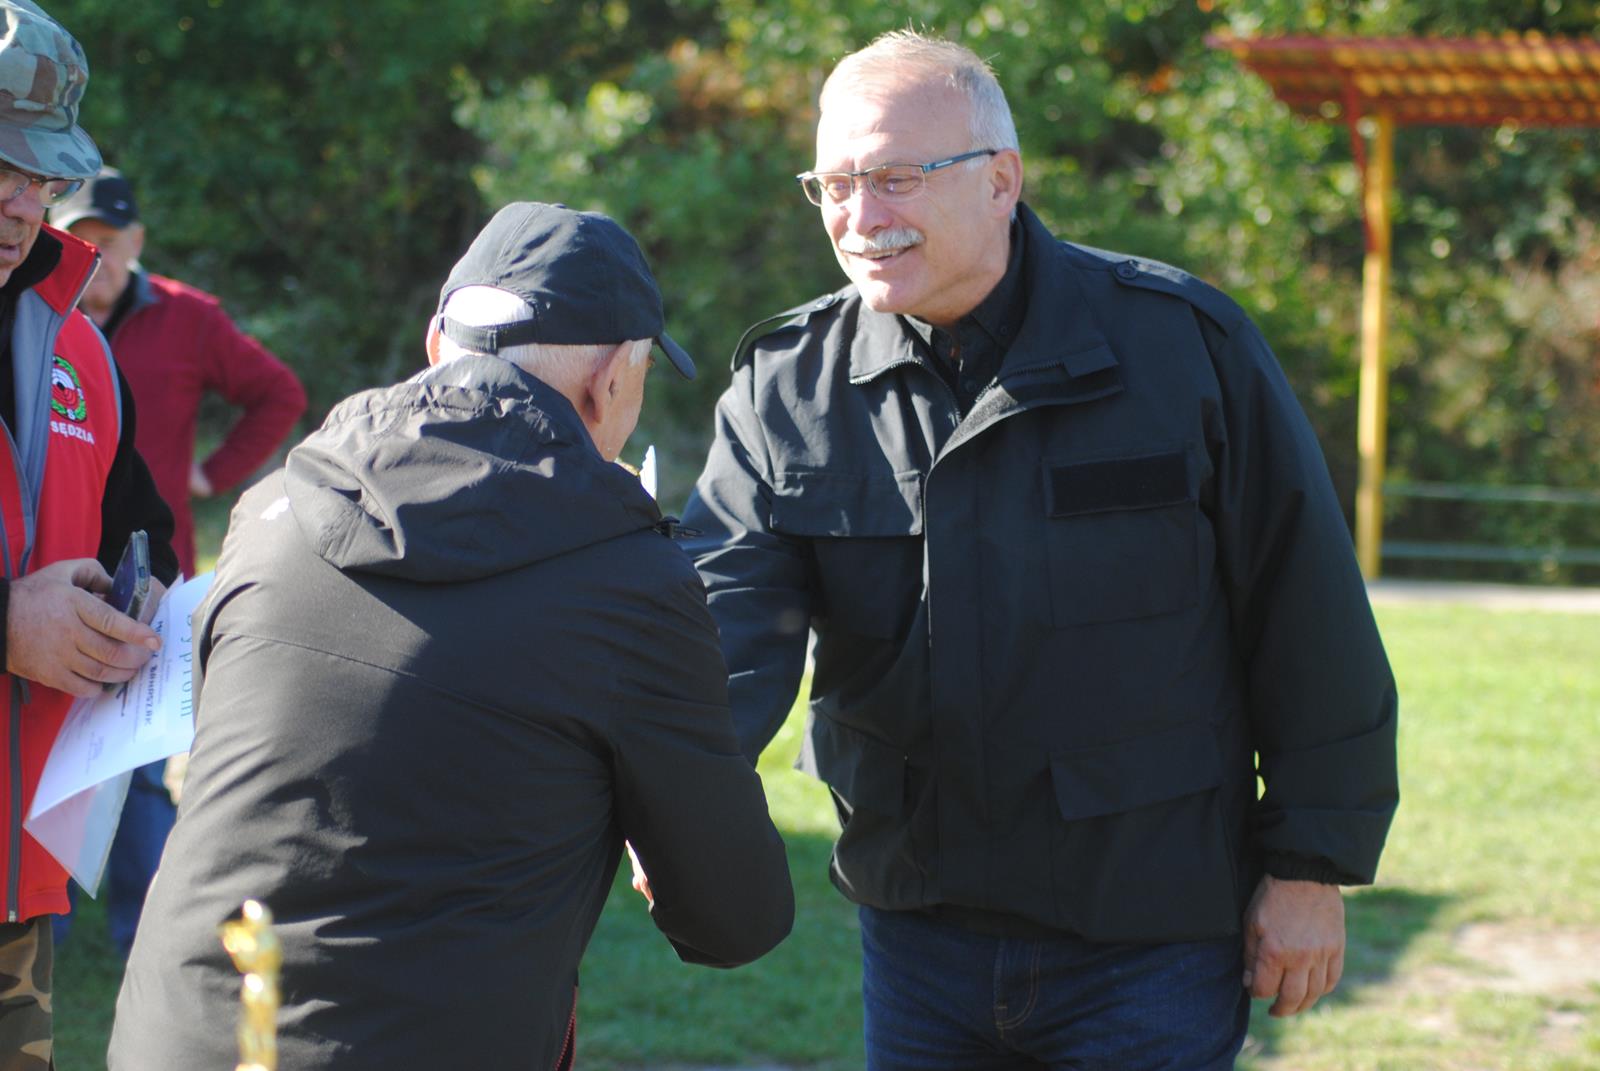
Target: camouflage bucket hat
x,y
43,72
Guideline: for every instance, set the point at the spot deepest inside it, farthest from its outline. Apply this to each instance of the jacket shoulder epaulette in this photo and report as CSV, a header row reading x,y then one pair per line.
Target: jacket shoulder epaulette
x,y
1148,274
795,317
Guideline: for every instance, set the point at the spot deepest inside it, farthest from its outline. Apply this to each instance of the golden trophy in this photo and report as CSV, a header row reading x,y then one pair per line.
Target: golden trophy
x,y
253,946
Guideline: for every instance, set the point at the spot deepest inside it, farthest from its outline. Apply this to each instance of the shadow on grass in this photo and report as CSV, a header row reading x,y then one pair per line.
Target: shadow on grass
x,y
1380,924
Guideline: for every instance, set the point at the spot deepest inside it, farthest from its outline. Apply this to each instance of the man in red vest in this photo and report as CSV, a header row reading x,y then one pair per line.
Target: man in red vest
x,y
72,488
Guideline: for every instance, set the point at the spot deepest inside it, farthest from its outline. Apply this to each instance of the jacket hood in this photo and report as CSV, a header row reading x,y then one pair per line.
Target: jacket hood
x,y
465,471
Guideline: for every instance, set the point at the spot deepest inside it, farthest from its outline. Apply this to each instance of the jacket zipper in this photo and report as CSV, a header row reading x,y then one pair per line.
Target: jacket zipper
x,y
14,737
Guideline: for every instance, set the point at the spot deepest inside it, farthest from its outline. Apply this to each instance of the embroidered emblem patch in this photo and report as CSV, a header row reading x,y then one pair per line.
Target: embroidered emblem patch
x,y
66,393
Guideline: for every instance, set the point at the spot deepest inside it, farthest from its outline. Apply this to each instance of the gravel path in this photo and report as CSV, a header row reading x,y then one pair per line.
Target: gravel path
x,y
1491,596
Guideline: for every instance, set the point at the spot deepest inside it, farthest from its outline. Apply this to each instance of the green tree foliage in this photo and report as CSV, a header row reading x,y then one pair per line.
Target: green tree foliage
x,y
321,167
304,161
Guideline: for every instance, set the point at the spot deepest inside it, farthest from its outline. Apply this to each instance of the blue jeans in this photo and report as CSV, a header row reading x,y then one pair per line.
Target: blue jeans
x,y
147,817
942,998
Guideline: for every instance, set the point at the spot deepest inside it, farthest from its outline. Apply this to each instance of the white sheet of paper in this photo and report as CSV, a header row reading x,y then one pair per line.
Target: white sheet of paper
x,y
647,470
79,798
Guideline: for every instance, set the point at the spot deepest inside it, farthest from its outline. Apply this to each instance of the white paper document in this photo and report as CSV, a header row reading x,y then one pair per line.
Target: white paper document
x,y
79,799
647,470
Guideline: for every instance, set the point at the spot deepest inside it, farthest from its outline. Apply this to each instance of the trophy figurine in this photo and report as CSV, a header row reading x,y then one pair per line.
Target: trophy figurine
x,y
255,951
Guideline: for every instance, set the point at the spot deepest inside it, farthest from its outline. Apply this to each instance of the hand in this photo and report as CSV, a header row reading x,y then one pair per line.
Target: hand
x,y
62,635
199,486
1293,943
641,883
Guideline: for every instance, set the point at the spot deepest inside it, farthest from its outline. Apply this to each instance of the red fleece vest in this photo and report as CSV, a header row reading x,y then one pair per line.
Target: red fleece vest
x,y
84,426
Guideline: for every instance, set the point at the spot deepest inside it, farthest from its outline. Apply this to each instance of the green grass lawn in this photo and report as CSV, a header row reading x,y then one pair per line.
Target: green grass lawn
x,y
1479,949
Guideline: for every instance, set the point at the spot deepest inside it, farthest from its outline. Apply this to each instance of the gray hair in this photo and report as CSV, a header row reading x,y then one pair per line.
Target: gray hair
x,y
485,306
902,56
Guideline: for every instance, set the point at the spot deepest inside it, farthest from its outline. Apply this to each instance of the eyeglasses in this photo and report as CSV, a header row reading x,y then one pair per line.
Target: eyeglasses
x,y
52,191
888,182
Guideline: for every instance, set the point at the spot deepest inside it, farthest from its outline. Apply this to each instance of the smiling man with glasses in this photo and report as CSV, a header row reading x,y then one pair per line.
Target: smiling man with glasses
x,y
1076,573
72,488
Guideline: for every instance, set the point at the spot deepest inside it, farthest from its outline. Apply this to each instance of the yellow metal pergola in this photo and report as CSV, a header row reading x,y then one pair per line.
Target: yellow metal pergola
x,y
1524,79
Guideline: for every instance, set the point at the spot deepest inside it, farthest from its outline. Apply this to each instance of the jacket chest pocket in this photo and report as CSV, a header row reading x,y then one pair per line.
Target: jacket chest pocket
x,y
1121,538
865,535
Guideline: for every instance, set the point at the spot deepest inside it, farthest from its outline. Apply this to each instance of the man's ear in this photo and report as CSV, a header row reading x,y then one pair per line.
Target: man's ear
x,y
600,389
136,237
430,342
1005,181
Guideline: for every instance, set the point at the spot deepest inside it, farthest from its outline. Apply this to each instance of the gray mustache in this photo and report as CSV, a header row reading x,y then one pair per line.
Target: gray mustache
x,y
883,242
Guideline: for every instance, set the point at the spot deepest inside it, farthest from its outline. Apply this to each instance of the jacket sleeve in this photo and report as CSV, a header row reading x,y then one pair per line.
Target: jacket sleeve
x,y
1322,698
243,371
687,801
131,502
758,581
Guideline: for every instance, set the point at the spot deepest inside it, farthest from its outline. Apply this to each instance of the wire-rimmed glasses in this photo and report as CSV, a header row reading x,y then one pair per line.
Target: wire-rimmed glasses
x,y
888,182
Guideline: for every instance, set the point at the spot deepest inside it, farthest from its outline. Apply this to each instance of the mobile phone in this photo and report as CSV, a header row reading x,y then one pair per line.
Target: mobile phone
x,y
130,584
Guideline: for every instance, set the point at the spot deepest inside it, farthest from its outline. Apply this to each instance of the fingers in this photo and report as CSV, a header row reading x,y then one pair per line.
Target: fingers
x,y
1266,977
83,673
121,663
1297,986
1294,994
1316,984
75,684
106,622
88,574
109,650
641,883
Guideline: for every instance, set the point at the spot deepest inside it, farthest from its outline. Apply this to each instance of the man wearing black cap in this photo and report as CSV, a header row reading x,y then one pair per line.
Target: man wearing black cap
x,y
71,490
174,345
452,660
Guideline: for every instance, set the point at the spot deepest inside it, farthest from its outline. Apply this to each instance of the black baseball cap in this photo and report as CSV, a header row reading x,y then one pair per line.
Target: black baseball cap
x,y
584,276
106,197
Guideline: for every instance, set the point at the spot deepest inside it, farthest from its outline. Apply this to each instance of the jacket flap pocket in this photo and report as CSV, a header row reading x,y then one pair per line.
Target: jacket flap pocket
x,y
1119,483
867,773
847,504
1136,773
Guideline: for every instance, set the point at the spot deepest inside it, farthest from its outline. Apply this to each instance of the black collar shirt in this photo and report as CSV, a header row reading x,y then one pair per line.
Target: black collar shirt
x,y
968,358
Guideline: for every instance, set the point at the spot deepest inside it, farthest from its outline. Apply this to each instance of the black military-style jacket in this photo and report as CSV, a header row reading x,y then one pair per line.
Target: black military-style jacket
x,y
1053,635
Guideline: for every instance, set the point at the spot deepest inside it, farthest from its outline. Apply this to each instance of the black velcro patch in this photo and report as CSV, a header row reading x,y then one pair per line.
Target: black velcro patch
x,y
1118,483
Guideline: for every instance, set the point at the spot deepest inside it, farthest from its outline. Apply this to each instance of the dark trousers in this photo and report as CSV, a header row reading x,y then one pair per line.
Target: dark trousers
x,y
939,997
